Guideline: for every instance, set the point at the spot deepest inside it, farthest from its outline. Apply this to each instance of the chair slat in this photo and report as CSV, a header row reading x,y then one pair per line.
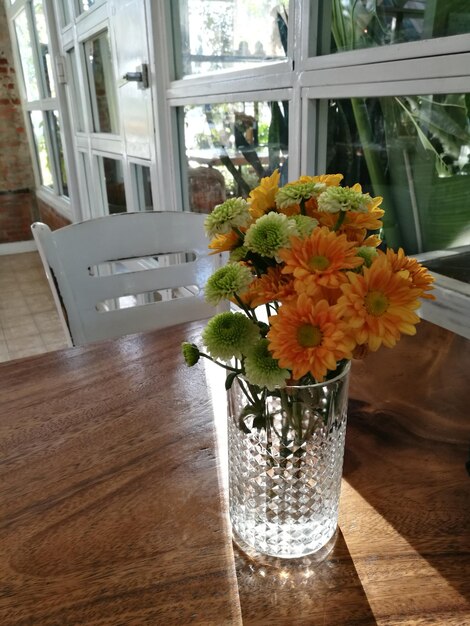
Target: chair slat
x,y
70,252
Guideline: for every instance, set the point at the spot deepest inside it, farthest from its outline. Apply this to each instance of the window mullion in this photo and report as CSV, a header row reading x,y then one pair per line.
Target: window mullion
x,y
436,67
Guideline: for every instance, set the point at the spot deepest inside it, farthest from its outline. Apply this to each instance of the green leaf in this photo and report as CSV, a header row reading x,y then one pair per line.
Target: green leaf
x,y
427,145
259,422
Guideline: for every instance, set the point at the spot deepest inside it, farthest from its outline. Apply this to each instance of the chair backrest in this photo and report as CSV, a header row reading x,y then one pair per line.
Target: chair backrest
x,y
106,273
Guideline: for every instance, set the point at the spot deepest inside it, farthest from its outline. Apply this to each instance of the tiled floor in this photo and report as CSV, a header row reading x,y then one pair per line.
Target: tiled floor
x,y
29,323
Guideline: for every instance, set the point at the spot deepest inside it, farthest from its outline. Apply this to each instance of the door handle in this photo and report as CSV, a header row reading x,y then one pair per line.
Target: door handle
x,y
141,76
133,76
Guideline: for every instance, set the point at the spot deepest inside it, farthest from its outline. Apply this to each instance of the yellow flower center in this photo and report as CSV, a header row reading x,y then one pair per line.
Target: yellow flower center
x,y
376,303
319,263
309,336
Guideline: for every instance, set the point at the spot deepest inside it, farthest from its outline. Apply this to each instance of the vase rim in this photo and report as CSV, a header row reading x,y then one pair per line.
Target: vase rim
x,y
339,376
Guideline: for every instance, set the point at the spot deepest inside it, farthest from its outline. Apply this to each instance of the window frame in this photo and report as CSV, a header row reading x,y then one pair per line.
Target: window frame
x,y
314,145
440,65
318,13
234,85
88,144
437,61
53,197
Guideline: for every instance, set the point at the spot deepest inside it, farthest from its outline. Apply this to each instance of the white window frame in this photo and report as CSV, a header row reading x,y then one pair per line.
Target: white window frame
x,y
89,144
136,193
314,145
305,77
316,16
257,83
62,204
436,62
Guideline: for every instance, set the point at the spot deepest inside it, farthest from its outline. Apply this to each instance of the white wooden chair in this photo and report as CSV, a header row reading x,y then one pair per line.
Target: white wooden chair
x,y
127,273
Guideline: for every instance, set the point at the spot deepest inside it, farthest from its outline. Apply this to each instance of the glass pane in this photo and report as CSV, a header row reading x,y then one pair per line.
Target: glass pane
x,y
102,84
53,118
44,53
26,56
229,147
364,24
114,184
44,158
415,152
144,187
85,5
227,34
75,94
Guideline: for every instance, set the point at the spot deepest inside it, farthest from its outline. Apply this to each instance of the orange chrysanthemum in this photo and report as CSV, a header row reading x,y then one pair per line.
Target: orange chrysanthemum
x,y
289,211
411,270
270,287
319,260
330,180
261,198
308,337
372,240
311,207
224,243
378,305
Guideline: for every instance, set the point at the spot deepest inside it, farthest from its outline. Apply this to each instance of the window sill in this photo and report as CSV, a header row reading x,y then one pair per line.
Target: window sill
x,y
59,204
451,308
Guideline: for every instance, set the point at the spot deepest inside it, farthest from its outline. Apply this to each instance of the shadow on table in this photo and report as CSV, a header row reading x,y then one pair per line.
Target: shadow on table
x,y
407,445
301,591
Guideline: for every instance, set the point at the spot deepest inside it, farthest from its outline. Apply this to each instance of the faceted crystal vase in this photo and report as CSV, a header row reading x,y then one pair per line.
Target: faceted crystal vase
x,y
285,466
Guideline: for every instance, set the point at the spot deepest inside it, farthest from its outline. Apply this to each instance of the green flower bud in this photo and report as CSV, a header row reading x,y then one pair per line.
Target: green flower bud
x,y
191,353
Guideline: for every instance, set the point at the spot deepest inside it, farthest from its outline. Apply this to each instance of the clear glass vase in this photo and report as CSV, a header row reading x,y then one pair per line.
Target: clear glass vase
x,y
285,465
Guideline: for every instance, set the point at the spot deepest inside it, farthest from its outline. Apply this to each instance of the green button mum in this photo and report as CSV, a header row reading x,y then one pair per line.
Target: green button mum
x,y
229,335
295,193
227,282
270,233
304,224
233,213
336,199
262,369
368,253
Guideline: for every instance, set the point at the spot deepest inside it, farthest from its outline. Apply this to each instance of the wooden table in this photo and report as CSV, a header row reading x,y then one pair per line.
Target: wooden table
x,y
112,510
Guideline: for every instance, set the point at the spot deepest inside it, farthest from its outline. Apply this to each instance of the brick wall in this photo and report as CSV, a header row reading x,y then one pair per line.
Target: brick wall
x,y
17,212
50,217
17,203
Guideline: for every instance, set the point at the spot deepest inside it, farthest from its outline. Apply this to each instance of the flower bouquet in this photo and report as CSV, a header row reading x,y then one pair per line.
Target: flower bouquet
x,y
309,290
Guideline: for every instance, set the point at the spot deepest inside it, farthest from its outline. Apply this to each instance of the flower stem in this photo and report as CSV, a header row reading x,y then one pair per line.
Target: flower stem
x,y
249,397
342,215
247,310
227,367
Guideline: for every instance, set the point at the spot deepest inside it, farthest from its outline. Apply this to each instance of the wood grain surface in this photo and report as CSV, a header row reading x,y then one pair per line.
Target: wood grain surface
x,y
112,506
403,554
110,509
